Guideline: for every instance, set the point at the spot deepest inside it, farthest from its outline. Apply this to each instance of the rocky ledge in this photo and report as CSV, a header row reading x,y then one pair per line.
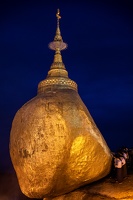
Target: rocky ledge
x,y
104,189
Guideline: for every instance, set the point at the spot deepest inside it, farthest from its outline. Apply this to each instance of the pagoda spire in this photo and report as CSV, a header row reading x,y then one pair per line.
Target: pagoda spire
x,y
57,77
58,45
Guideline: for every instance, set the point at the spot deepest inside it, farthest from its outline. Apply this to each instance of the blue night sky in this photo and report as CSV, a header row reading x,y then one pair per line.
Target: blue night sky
x,y
99,58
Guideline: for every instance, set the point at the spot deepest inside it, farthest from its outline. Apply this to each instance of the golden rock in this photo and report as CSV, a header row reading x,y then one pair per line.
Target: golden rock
x,y
55,145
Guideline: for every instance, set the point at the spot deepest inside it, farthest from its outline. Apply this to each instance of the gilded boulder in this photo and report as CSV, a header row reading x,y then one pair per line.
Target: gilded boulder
x,y
55,145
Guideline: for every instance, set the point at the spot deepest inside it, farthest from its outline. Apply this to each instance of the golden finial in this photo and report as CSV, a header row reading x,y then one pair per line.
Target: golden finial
x,y
58,17
58,43
58,14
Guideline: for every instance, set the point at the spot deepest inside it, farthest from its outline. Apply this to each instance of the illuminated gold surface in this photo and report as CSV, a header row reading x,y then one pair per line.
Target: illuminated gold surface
x,y
55,145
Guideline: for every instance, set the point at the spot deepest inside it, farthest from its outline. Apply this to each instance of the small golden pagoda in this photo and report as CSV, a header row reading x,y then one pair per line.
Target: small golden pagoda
x,y
55,145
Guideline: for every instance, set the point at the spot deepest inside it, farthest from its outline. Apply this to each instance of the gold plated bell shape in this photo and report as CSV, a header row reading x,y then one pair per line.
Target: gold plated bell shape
x,y
55,146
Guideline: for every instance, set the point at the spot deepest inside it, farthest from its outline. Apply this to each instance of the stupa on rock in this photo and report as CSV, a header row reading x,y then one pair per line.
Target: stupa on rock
x,y
55,145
